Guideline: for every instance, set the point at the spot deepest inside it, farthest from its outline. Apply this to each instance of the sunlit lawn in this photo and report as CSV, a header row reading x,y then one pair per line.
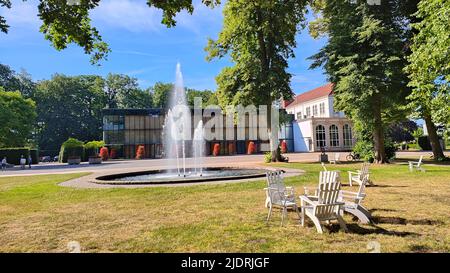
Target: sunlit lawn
x,y
411,213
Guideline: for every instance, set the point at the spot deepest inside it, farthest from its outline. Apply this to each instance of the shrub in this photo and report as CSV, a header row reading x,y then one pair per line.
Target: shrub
x,y
104,153
366,151
140,152
267,157
34,156
216,149
71,148
92,148
251,149
284,148
13,154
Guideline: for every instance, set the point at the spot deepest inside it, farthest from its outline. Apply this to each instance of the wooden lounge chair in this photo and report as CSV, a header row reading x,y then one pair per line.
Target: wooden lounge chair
x,y
324,207
416,165
359,175
353,202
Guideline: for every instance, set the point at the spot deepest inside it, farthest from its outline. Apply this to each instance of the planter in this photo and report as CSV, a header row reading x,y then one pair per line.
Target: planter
x,y
95,160
74,160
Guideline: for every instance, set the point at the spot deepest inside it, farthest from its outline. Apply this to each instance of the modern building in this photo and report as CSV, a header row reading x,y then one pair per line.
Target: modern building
x,y
316,124
124,130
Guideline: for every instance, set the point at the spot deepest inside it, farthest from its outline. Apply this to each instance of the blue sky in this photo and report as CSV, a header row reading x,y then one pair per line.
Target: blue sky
x,y
141,46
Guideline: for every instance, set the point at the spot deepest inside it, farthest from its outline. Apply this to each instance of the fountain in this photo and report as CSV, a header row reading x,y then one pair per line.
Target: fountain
x,y
177,135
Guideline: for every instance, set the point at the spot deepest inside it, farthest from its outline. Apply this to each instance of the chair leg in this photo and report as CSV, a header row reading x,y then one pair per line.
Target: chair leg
x,y
298,212
317,224
270,213
342,223
283,213
303,216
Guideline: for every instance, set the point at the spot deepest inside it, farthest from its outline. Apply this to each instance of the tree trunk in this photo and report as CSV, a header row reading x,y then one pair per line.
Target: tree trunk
x,y
273,136
434,140
378,132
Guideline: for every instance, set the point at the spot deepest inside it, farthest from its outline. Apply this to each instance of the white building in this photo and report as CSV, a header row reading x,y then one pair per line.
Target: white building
x,y
316,123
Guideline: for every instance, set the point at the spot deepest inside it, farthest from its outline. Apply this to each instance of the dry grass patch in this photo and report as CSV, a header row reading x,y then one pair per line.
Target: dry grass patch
x,y
410,212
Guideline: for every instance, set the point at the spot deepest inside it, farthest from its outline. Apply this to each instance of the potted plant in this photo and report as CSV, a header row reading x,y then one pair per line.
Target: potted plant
x,y
92,150
74,160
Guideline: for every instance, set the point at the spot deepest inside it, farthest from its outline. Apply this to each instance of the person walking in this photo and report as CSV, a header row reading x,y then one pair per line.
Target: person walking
x,y
30,161
4,163
23,161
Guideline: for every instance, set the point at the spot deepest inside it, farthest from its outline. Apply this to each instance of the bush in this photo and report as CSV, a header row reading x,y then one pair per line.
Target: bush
x,y
13,154
140,152
216,149
34,156
267,157
71,148
251,148
104,153
92,148
366,151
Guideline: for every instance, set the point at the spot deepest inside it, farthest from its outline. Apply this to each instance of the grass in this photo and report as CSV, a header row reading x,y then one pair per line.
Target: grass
x,y
411,213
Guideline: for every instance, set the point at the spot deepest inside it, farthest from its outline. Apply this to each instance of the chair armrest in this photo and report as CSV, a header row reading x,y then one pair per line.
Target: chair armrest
x,y
306,199
334,204
350,172
349,193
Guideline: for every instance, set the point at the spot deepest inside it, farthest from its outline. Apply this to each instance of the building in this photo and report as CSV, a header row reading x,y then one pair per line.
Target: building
x,y
316,124
124,130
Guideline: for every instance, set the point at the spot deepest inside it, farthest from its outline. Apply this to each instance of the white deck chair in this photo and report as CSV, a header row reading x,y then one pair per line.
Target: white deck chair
x,y
336,158
325,177
325,208
416,165
278,199
323,166
275,180
359,175
353,202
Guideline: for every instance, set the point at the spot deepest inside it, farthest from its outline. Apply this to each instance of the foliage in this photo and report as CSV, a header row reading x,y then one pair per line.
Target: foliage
x,y
402,131
251,148
13,155
92,148
267,157
122,91
364,58
161,93
259,37
17,117
366,150
12,81
34,153
429,68
69,107
140,152
104,153
71,148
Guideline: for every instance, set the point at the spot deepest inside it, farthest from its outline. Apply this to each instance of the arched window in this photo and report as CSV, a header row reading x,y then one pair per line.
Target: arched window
x,y
348,139
334,136
320,136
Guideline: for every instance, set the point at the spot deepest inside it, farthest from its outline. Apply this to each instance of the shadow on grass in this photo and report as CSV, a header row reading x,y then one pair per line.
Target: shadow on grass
x,y
374,229
403,221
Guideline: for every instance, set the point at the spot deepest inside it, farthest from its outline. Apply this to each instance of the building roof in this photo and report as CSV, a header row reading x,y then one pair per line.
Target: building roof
x,y
322,91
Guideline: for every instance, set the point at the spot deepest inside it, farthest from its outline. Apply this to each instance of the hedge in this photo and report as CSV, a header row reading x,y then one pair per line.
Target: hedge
x,y
13,154
71,148
34,156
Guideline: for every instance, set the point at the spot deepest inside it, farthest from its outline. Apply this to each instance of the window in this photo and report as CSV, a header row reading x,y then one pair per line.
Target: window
x,y
320,136
322,108
308,112
299,115
315,110
334,136
348,139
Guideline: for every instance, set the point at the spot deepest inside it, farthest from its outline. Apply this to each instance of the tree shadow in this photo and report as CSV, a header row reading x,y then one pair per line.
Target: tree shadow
x,y
404,221
420,249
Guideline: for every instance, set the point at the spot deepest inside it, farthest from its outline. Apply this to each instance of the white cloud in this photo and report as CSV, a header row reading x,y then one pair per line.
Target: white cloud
x,y
134,16
22,14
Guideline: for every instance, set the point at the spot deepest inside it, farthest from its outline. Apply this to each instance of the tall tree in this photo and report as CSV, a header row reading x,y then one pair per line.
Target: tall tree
x,y
119,88
69,107
259,36
12,81
67,21
17,116
364,58
429,68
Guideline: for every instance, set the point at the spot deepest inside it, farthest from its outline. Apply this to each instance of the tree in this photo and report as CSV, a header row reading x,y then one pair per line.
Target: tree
x,y
161,94
429,68
17,116
12,81
259,36
119,88
402,131
364,58
65,22
69,107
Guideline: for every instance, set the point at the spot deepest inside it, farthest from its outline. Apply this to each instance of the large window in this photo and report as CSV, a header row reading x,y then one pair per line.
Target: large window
x,y
315,113
320,136
308,112
334,136
348,139
322,108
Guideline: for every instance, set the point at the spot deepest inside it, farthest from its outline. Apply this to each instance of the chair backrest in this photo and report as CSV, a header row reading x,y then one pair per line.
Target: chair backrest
x,y
328,195
420,160
276,195
364,170
326,177
362,187
275,180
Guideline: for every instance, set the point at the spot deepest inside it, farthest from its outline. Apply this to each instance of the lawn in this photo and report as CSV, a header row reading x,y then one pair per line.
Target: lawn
x,y
411,213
